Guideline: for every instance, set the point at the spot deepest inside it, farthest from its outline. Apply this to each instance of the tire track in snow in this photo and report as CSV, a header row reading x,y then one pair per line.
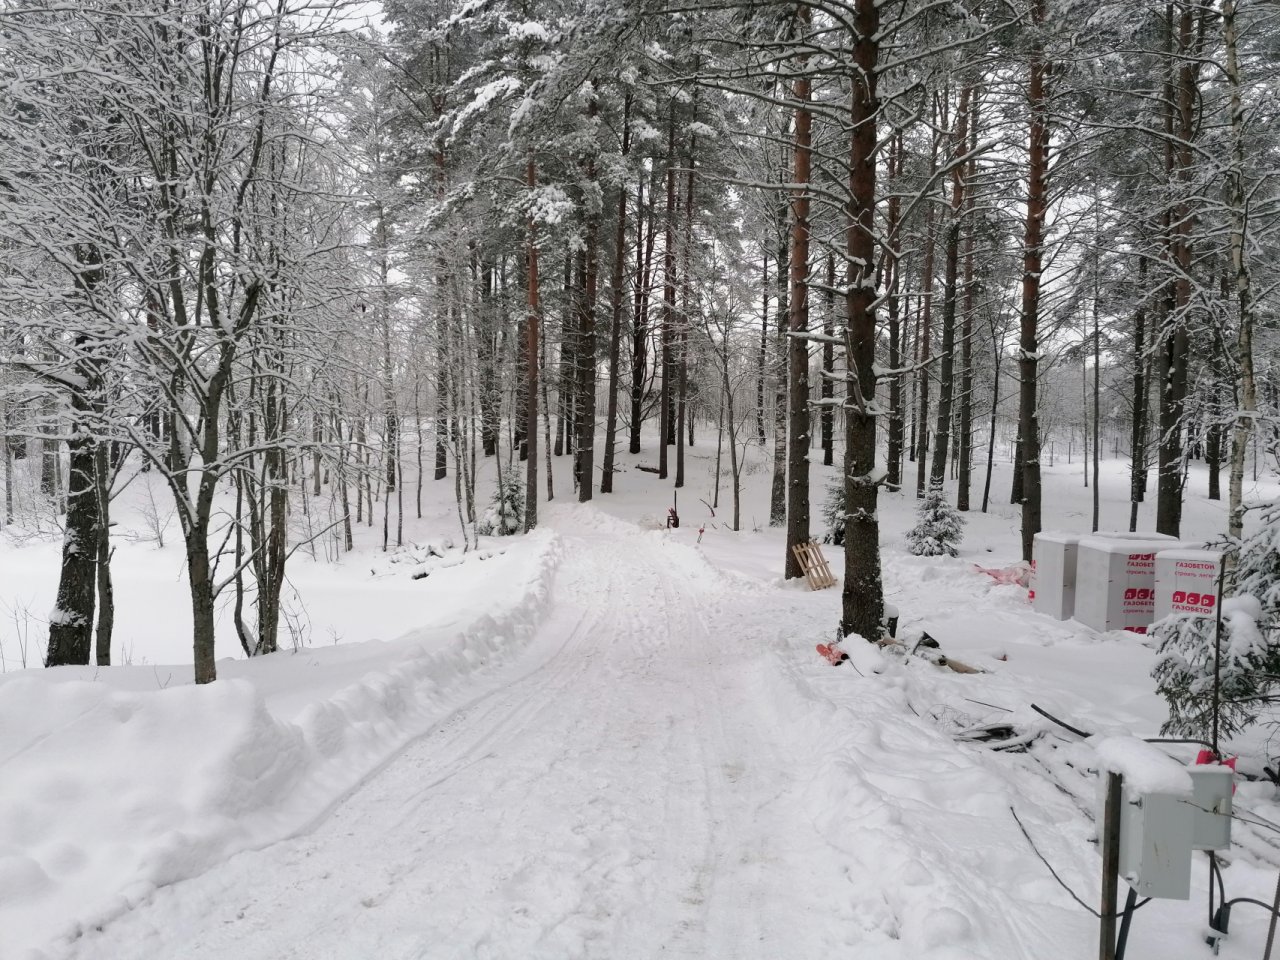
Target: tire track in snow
x,y
618,794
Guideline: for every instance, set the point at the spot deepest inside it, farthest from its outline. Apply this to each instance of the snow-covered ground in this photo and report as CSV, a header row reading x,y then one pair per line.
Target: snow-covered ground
x,y
604,740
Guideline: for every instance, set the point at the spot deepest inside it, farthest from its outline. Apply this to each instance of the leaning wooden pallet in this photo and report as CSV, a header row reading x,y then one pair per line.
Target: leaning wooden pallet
x,y
814,565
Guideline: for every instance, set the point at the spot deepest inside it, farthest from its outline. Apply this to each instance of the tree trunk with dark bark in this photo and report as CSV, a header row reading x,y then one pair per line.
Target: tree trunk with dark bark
x,y
531,363
862,597
72,619
615,314
951,270
798,440
1033,260
893,261
666,409
826,389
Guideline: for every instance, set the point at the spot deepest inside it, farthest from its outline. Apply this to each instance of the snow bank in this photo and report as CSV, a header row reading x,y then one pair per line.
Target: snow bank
x,y
107,793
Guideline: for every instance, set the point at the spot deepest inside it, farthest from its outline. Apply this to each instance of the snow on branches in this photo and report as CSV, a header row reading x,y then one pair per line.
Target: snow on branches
x,y
940,529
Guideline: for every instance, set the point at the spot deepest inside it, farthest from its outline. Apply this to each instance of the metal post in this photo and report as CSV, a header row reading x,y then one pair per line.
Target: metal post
x,y
1110,867
1217,655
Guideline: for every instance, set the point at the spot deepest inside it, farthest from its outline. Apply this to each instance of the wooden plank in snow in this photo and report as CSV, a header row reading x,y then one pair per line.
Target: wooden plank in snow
x,y
814,565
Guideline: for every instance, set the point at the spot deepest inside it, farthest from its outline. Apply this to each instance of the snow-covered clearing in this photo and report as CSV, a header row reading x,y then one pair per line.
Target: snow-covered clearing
x,y
605,741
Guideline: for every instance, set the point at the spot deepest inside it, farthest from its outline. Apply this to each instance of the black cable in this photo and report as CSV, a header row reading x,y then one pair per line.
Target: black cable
x,y
1062,723
1213,864
1062,883
1129,908
1081,733
1265,906
1222,887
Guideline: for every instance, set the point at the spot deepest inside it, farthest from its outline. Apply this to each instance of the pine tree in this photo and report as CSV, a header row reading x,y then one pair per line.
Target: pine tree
x,y
940,528
833,510
1184,671
505,515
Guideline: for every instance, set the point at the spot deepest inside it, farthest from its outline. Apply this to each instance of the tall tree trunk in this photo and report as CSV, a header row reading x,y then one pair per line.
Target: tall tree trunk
x,y
575,284
778,488
1213,445
946,382
640,318
200,583
798,440
964,458
926,328
997,347
391,424
862,597
615,313
1033,261
1243,423
826,389
71,622
763,356
1175,343
50,456
893,259
442,391
1097,368
584,463
490,398
666,412
531,362
106,590
7,451
1138,436
683,407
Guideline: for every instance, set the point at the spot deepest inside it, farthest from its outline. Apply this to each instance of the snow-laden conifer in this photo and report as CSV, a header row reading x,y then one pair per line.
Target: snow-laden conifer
x,y
833,510
940,529
1184,670
505,514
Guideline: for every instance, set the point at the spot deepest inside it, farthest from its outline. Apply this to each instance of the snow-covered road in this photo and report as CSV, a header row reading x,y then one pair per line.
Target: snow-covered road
x,y
620,790
665,768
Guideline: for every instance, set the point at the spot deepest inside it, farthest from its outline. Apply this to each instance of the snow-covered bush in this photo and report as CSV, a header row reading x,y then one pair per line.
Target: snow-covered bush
x,y
1250,621
1258,573
833,514
1184,669
940,529
505,514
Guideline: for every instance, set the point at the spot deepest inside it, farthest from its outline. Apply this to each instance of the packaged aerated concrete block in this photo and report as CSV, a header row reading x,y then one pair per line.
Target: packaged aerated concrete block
x,y
1053,574
1116,581
1187,582
1053,567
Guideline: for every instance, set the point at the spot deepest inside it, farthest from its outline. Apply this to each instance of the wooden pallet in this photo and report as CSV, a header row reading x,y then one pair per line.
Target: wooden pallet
x,y
814,565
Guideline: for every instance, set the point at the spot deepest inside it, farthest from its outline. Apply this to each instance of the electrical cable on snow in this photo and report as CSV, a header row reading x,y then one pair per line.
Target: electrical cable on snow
x,y
1062,883
1122,940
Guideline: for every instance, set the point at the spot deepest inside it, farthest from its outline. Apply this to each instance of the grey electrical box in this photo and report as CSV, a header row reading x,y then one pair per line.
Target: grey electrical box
x,y
1155,844
1211,806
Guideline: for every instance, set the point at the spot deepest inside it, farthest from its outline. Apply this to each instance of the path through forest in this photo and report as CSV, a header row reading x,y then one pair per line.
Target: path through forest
x,y
632,786
617,793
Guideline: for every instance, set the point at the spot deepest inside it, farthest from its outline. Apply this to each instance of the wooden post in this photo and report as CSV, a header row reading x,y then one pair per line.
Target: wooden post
x,y
1110,867
1271,930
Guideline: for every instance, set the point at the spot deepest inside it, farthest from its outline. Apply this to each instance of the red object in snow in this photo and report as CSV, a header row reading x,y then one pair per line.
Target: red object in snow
x,y
834,655
1018,574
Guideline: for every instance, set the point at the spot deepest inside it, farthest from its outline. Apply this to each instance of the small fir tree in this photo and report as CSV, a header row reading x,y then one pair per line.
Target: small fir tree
x,y
833,514
505,514
1184,669
940,529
